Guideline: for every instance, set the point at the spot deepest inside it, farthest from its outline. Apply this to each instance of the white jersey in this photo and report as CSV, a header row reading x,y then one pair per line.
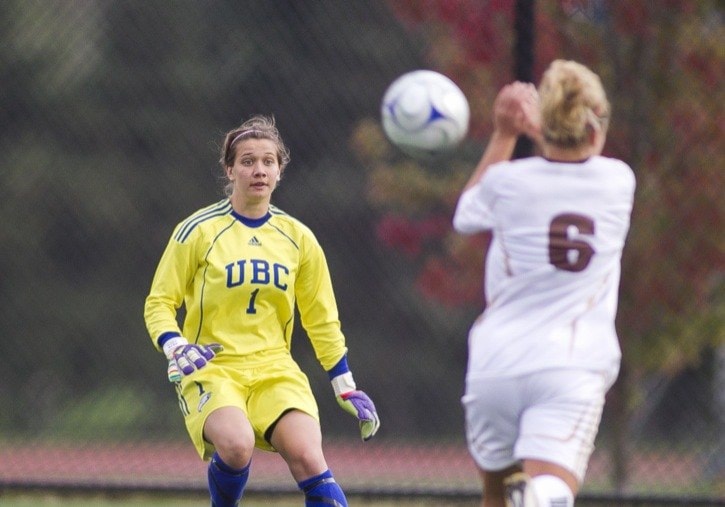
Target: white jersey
x,y
553,266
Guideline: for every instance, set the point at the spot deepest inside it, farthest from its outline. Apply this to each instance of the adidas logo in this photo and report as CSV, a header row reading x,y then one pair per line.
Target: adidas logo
x,y
254,241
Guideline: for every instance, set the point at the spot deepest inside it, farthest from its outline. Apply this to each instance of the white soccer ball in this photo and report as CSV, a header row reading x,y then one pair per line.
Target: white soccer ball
x,y
424,113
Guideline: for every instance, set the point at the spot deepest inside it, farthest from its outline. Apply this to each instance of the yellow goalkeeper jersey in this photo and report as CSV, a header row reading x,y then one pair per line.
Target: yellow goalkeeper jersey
x,y
239,280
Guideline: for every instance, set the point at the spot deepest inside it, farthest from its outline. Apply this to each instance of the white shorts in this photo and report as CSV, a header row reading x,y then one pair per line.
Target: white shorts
x,y
551,416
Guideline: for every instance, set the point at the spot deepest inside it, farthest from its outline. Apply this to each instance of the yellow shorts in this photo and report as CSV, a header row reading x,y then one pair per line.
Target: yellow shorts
x,y
264,392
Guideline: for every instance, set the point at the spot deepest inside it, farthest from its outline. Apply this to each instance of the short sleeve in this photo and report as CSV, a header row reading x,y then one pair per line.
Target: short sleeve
x,y
474,209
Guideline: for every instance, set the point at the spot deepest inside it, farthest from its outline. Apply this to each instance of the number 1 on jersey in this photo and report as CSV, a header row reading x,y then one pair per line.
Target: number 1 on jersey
x,y
250,307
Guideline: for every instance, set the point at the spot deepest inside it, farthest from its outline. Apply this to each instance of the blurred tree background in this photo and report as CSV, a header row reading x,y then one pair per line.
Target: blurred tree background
x,y
109,122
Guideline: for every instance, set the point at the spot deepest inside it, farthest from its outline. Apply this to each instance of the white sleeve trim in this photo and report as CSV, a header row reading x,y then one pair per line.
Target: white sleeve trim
x,y
343,383
172,344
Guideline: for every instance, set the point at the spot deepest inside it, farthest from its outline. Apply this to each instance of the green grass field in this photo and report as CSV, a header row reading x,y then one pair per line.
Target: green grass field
x,y
16,499
40,500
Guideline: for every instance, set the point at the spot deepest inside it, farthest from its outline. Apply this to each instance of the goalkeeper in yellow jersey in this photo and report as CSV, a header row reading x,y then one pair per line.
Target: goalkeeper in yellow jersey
x,y
239,267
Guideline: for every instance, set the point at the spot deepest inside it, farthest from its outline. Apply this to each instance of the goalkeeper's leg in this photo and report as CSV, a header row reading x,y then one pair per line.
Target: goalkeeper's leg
x,y
298,439
226,484
322,491
229,431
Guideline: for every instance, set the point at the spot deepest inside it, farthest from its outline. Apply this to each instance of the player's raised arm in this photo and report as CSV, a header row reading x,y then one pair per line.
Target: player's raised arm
x,y
515,113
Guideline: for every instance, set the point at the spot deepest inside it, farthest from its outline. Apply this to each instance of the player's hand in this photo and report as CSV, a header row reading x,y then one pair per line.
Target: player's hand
x,y
361,406
357,404
516,111
184,357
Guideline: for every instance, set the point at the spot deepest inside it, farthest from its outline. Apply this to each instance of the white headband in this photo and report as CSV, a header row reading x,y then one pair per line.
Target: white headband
x,y
244,133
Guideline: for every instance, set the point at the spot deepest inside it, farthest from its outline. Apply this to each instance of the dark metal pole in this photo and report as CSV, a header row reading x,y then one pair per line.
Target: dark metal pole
x,y
524,21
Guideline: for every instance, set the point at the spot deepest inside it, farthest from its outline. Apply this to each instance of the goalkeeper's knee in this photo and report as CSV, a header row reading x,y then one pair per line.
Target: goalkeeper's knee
x,y
322,491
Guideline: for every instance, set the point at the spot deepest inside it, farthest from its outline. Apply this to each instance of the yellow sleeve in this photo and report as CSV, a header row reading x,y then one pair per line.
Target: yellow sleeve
x,y
173,274
317,305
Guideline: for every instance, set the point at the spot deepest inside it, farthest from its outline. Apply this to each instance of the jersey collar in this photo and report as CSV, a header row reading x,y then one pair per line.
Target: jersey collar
x,y
252,222
556,161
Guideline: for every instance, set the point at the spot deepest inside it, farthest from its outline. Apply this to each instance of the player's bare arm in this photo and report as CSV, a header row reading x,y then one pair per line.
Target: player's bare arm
x,y
515,113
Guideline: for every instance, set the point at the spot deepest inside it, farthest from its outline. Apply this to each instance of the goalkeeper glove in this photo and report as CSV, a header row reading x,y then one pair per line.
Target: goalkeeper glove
x,y
185,357
356,403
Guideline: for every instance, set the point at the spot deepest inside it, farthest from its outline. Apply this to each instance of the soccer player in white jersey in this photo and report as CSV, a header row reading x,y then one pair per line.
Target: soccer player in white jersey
x,y
239,267
544,352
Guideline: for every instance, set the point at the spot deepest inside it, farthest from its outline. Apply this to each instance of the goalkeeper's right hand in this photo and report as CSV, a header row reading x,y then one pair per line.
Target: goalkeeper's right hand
x,y
184,357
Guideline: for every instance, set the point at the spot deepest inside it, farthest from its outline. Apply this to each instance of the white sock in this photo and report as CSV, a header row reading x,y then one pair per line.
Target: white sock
x,y
551,491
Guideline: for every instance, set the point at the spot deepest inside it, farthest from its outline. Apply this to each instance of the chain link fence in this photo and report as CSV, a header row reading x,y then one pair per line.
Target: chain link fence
x,y
109,122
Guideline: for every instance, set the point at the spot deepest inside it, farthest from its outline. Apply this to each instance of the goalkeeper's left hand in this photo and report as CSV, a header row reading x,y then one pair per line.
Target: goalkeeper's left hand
x,y
356,403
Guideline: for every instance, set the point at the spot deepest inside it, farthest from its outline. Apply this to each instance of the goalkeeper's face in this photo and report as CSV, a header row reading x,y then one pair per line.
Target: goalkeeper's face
x,y
255,172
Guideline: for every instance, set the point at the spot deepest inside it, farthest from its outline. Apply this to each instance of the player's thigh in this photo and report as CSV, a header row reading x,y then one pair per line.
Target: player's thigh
x,y
296,432
229,431
279,389
298,439
562,419
201,394
492,408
